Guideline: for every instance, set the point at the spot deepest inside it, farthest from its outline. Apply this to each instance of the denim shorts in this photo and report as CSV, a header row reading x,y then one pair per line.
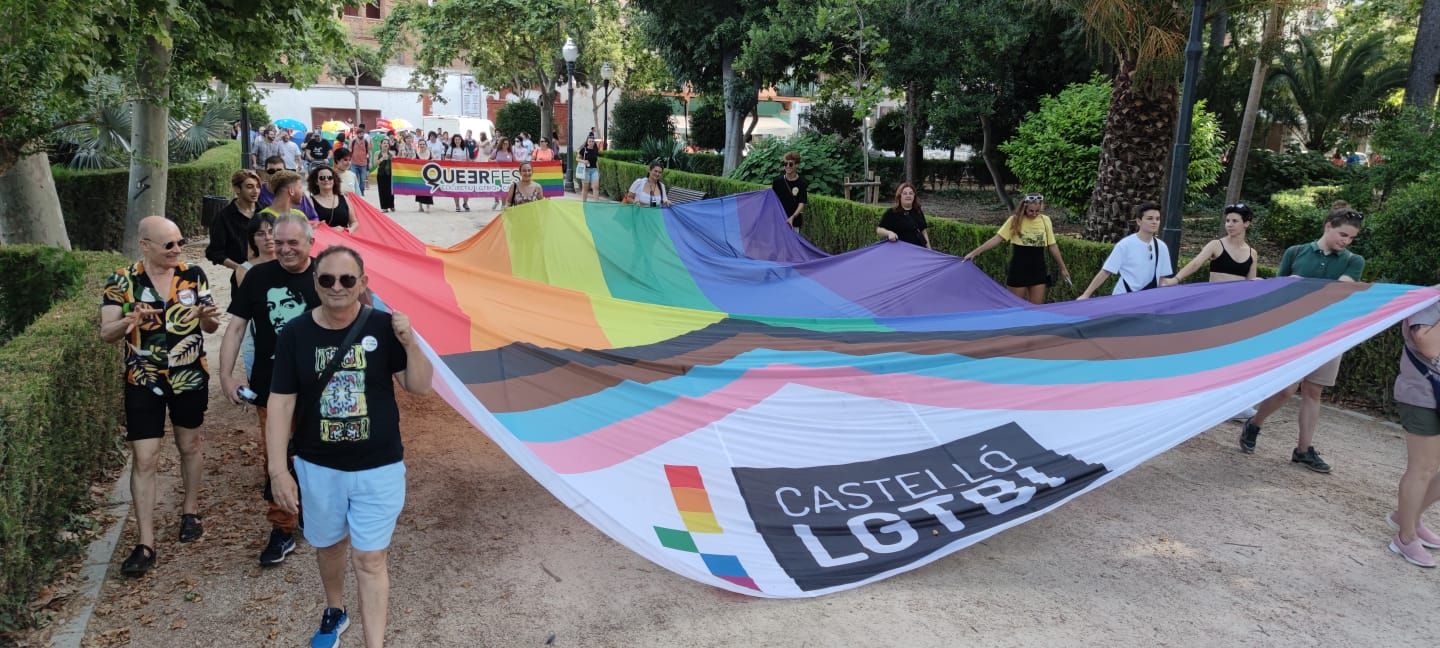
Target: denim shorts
x,y
588,174
363,504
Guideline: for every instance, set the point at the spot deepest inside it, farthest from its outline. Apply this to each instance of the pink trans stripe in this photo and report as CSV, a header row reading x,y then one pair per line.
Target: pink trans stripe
x,y
639,434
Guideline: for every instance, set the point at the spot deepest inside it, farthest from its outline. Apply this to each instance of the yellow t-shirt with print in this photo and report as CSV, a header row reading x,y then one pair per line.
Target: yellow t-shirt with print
x,y
1034,232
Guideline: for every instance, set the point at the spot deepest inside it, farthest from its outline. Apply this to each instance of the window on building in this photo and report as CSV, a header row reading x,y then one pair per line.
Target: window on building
x,y
372,10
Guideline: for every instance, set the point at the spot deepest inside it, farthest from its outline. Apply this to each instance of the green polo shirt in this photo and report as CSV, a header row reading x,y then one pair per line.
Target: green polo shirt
x,y
1307,260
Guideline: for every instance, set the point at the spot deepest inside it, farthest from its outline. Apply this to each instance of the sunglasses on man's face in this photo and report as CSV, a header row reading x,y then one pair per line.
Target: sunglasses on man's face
x,y
168,245
789,164
275,170
328,280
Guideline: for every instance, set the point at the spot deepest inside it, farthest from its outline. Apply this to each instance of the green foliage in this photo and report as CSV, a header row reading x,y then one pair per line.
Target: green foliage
x,y
889,133
1334,87
1409,144
833,118
825,160
707,125
667,152
33,277
703,163
640,117
1296,216
94,201
100,139
1056,150
519,117
1269,172
1403,237
60,407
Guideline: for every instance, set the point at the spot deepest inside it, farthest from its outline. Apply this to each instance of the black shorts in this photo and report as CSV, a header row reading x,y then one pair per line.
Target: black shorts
x,y
1027,267
145,411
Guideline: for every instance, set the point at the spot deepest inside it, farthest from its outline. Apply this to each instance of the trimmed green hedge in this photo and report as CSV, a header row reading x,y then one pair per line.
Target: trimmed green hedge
x,y
1296,216
94,201
836,225
32,277
60,413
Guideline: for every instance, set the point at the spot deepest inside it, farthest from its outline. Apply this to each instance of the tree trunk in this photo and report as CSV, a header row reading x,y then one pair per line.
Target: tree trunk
x,y
356,91
547,112
912,137
29,207
1133,154
1252,103
149,142
987,153
1215,50
734,110
1425,59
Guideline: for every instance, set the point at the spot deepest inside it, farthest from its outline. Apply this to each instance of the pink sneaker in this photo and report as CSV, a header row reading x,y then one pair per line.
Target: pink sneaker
x,y
1413,553
1426,537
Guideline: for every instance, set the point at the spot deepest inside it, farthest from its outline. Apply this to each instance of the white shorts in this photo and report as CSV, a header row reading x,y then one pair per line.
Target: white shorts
x,y
363,504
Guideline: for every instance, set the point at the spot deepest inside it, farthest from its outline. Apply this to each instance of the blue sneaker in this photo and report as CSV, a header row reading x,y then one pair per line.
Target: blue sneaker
x,y
332,623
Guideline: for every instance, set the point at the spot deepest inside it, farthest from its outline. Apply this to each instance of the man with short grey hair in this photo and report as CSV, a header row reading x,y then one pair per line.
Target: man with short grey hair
x,y
272,295
269,146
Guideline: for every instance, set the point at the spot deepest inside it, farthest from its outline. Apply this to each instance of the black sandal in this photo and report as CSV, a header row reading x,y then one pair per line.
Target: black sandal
x,y
190,527
141,560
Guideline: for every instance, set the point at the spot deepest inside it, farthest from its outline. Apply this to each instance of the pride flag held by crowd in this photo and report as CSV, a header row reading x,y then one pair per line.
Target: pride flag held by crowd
x,y
710,390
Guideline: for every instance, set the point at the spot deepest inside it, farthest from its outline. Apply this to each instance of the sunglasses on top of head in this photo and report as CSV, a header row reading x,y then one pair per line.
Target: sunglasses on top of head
x,y
328,280
1035,198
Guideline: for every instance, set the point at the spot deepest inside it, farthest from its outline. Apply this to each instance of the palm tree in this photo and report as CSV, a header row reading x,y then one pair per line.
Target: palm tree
x,y
1331,90
1147,37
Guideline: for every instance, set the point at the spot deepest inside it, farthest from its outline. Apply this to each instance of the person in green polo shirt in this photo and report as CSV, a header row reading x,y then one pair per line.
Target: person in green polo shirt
x,y
1326,258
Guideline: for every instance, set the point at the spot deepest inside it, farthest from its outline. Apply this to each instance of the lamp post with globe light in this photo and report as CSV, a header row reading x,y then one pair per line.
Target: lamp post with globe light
x,y
606,73
570,52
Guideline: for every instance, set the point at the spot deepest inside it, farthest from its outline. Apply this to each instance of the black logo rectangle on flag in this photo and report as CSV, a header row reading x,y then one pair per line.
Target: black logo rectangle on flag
x,y
839,524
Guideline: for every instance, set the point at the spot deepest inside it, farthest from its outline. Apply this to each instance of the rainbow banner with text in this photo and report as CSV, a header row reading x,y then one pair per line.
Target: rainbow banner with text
x,y
713,392
451,179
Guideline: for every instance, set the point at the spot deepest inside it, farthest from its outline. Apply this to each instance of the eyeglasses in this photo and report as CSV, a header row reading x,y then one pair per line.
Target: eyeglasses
x,y
1035,198
789,164
169,245
325,178
328,280
274,170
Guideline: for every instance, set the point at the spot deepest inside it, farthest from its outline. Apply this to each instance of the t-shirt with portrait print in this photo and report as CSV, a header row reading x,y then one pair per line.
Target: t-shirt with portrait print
x,y
165,356
1034,232
271,297
354,424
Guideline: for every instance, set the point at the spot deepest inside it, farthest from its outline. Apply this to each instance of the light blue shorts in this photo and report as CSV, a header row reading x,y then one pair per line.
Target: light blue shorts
x,y
588,174
363,504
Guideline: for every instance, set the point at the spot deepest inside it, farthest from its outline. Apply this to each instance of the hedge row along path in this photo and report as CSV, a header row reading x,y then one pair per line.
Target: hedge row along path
x,y
1201,542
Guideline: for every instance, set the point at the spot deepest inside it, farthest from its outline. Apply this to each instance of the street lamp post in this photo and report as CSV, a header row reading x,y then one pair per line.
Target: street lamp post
x,y
570,52
1180,156
606,73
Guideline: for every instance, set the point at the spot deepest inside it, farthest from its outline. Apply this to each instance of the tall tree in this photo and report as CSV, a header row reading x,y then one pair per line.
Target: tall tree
x,y
1331,89
1425,60
174,48
701,43
353,64
1146,37
1268,40
513,44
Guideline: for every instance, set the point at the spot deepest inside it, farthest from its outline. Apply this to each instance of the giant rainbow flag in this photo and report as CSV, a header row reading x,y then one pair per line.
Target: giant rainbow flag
x,y
728,401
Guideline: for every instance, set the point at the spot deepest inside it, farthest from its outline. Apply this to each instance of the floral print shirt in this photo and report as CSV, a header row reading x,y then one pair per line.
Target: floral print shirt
x,y
168,356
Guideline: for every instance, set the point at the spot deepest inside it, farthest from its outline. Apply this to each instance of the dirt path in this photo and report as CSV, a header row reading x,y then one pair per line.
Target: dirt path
x,y
1201,546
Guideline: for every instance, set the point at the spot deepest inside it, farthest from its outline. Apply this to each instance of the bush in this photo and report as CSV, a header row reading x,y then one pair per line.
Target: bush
x,y
707,125
641,117
937,173
1268,172
60,406
1409,144
825,160
33,277
833,118
1056,150
1403,237
889,133
519,117
94,201
1296,216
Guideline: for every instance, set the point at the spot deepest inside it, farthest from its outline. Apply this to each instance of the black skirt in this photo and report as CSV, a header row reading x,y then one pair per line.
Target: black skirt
x,y
1027,267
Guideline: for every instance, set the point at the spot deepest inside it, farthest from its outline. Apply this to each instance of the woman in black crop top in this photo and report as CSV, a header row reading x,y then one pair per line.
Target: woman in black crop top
x,y
1231,258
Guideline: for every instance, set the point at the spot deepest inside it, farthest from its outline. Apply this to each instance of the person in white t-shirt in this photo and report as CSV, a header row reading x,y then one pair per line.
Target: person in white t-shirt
x,y
294,161
1141,259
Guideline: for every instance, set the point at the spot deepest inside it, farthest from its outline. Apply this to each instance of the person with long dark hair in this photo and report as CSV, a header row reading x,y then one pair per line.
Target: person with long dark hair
x,y
906,220
587,169
525,189
457,151
387,151
332,207
1030,234
650,190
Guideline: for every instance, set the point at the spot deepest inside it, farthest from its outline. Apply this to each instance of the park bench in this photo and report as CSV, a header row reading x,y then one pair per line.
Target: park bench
x,y
681,195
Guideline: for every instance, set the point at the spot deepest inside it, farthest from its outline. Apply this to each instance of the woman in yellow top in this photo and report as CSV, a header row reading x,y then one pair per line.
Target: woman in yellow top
x,y
1029,233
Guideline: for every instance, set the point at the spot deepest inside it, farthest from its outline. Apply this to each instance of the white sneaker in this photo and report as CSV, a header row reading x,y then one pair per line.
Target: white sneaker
x,y
1247,413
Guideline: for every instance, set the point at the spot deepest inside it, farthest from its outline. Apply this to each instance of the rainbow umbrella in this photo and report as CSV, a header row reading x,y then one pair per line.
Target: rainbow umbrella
x,y
334,125
400,123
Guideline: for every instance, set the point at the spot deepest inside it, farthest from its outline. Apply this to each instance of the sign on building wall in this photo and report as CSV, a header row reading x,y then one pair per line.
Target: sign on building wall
x,y
470,97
